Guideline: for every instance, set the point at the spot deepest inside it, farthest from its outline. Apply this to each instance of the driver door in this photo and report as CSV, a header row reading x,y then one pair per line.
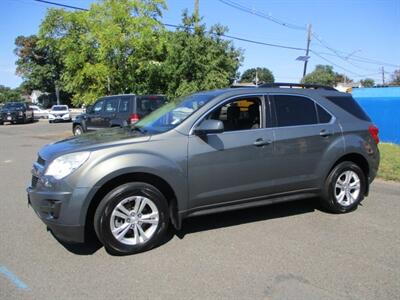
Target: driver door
x,y
233,165
94,118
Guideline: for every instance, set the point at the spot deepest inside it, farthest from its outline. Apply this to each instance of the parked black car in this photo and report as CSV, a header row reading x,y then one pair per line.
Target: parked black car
x,y
116,111
16,112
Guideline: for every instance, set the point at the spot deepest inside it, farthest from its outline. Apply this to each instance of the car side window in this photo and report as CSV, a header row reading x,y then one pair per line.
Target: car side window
x,y
323,115
294,110
111,105
98,106
240,114
124,105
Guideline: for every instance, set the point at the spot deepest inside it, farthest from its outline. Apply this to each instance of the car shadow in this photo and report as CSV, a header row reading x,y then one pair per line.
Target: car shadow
x,y
212,221
244,216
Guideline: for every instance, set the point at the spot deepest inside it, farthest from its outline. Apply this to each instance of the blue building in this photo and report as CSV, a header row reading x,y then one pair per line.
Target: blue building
x,y
383,106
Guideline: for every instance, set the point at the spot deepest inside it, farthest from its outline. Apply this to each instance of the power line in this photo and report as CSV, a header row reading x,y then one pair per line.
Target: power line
x,y
62,5
224,35
262,15
345,57
192,28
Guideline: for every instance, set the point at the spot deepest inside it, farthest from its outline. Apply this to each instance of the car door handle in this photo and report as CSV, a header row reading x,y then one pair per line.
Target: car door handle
x,y
325,133
261,142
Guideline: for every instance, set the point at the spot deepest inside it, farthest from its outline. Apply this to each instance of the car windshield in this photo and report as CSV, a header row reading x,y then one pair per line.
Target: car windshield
x,y
13,105
173,113
58,108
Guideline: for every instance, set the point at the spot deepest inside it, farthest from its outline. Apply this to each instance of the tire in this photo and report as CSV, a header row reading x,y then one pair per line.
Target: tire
x,y
344,188
50,121
77,130
128,238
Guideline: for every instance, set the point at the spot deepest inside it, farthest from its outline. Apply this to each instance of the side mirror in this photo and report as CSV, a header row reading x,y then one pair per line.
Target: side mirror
x,y
209,126
89,109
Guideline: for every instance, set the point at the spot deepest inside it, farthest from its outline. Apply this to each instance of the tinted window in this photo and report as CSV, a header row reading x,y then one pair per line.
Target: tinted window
x,y
323,115
124,104
98,106
294,110
146,105
111,105
351,106
14,105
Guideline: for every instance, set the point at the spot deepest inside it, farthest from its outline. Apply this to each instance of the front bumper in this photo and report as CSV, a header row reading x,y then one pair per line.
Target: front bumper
x,y
57,211
65,117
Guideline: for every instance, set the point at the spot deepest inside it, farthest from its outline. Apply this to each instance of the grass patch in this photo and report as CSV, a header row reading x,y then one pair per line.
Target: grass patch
x,y
389,167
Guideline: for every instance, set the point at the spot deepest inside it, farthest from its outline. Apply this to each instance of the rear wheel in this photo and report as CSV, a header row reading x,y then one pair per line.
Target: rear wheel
x,y
344,188
131,218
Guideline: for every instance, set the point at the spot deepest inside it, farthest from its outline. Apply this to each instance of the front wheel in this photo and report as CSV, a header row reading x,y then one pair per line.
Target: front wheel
x,y
77,130
344,188
132,218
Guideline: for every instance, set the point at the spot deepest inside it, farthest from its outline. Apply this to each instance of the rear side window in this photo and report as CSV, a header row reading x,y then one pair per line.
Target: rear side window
x,y
146,105
351,106
111,105
124,104
323,115
294,110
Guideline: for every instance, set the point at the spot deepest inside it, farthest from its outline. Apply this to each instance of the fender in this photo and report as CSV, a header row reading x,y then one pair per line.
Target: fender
x,y
110,167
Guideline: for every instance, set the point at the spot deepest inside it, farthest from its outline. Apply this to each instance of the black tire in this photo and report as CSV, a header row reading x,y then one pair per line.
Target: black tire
x,y
102,218
50,121
329,200
77,130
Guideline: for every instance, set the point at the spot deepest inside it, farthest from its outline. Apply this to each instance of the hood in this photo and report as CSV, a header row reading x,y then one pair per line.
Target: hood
x,y
93,141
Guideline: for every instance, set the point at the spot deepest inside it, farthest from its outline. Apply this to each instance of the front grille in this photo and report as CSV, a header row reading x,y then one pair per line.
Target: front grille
x,y
34,181
41,161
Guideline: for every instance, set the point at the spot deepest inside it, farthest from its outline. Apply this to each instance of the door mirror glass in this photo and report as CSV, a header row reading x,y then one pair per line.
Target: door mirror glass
x,y
209,126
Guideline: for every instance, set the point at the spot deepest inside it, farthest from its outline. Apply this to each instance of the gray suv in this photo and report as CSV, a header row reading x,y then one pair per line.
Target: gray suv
x,y
205,153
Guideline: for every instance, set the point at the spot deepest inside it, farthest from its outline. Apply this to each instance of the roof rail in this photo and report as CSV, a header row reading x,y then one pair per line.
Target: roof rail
x,y
299,85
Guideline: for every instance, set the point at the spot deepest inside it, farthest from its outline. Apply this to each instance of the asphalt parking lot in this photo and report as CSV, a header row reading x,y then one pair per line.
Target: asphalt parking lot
x,y
285,251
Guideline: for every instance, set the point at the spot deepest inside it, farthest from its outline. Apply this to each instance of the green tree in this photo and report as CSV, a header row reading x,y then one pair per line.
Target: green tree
x,y
323,74
8,94
367,82
109,49
39,65
263,74
395,78
198,59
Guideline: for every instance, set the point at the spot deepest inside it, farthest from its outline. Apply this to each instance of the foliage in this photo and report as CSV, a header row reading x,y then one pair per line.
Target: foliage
x,y
395,78
8,94
389,167
367,82
324,75
263,74
121,47
197,59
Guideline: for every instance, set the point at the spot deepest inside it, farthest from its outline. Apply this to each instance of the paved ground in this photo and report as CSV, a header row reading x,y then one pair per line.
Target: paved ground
x,y
286,251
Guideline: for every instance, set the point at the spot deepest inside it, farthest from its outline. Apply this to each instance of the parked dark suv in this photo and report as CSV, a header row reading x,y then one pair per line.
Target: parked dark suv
x,y
207,152
16,112
116,111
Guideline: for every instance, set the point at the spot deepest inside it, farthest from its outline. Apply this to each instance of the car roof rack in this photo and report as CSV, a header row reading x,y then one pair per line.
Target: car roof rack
x,y
296,85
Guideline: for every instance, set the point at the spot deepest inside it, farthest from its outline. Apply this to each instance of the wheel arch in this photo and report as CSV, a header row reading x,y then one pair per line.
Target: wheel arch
x,y
359,160
158,182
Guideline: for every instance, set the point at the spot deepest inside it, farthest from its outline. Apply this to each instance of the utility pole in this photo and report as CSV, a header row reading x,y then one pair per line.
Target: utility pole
x,y
196,11
307,50
383,76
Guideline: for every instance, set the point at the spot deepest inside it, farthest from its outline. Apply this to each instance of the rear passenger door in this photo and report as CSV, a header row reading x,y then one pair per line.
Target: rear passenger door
x,y
303,133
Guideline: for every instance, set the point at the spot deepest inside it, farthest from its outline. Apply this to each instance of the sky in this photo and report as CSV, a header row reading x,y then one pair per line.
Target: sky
x,y
349,30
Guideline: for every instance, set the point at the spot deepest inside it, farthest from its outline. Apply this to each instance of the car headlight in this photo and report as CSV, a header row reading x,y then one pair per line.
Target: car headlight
x,y
64,165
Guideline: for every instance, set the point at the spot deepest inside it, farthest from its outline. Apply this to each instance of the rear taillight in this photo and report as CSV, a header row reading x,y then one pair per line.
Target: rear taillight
x,y
134,118
373,130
